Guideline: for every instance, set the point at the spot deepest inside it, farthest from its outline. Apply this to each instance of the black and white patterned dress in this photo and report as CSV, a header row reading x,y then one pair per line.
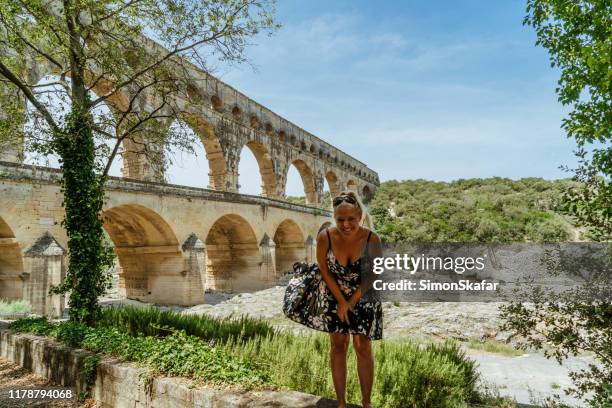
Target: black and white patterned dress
x,y
365,319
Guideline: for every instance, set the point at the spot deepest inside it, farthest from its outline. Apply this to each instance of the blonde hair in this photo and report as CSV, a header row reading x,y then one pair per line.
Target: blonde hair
x,y
366,219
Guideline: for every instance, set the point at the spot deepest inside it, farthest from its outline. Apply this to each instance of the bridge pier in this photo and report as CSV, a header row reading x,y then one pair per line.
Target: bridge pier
x,y
268,259
44,268
195,269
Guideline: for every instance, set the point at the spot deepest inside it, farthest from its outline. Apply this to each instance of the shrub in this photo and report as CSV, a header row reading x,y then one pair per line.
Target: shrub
x,y
14,307
35,325
150,321
407,375
177,354
70,333
221,351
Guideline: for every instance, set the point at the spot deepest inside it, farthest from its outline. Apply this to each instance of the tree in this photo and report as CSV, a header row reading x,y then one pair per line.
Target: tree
x,y
105,46
578,36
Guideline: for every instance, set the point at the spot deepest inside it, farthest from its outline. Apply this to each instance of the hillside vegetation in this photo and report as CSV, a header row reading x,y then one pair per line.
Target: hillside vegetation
x,y
471,210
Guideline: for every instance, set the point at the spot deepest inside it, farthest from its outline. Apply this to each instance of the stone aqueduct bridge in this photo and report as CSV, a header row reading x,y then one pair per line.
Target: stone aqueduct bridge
x,y
175,242
172,242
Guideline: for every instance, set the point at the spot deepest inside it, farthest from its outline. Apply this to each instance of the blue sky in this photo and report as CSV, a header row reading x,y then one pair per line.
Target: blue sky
x,y
436,90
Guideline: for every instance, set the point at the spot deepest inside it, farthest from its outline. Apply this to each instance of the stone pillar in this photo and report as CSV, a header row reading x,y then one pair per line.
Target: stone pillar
x,y
232,158
195,269
143,153
310,249
45,263
319,185
267,248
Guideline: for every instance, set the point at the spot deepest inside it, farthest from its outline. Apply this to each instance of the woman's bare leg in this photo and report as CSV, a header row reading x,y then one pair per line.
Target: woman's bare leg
x,y
365,367
339,348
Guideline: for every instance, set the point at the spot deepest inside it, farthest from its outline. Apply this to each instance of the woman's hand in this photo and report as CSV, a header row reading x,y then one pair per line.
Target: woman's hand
x,y
343,308
354,298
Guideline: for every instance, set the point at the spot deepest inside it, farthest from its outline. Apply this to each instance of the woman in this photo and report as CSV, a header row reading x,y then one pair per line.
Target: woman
x,y
343,255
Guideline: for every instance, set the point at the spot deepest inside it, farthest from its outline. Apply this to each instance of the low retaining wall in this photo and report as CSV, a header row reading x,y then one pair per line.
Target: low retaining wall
x,y
118,384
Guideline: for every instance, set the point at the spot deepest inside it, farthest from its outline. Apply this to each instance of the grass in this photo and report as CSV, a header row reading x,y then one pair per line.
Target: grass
x,y
249,353
150,321
494,346
407,374
17,307
176,354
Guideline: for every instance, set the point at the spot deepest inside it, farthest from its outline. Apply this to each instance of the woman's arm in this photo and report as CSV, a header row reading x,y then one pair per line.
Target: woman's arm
x,y
374,250
322,247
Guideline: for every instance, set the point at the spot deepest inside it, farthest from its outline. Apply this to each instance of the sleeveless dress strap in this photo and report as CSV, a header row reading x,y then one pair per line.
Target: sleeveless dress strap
x,y
367,245
328,239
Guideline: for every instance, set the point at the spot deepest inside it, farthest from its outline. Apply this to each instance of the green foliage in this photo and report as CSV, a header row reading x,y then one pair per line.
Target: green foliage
x,y
177,354
578,36
296,200
407,375
325,200
89,370
572,321
15,307
70,333
151,321
35,325
83,191
473,210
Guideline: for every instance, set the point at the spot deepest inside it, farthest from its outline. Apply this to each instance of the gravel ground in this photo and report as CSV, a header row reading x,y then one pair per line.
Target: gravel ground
x,y
13,377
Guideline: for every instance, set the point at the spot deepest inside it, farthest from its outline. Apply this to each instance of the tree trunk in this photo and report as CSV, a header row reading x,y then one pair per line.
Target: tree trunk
x,y
83,192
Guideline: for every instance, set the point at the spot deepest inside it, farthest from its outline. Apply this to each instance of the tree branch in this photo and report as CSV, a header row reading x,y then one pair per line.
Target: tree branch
x,y
8,74
32,46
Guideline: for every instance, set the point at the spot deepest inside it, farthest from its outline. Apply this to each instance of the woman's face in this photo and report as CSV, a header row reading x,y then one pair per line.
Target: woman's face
x,y
347,219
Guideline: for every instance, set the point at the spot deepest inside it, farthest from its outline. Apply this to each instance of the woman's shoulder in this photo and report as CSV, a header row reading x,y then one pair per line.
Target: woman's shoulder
x,y
372,235
324,234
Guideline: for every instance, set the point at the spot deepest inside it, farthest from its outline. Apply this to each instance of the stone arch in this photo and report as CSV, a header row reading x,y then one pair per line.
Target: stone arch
x,y
307,180
351,185
150,261
216,103
217,165
366,194
266,168
290,247
232,256
334,183
11,264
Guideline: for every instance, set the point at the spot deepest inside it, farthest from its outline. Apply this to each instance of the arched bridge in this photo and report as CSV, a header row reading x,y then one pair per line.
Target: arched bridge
x,y
175,242
172,242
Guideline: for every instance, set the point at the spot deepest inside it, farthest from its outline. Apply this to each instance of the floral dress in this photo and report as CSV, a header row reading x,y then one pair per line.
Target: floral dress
x,y
309,301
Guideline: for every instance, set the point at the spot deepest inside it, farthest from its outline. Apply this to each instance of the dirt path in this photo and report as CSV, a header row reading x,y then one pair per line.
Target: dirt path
x,y
13,377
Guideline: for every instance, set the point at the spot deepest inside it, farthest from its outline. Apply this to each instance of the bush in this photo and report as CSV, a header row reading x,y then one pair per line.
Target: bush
x,y
475,210
249,353
178,355
8,308
35,325
407,375
151,321
70,333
